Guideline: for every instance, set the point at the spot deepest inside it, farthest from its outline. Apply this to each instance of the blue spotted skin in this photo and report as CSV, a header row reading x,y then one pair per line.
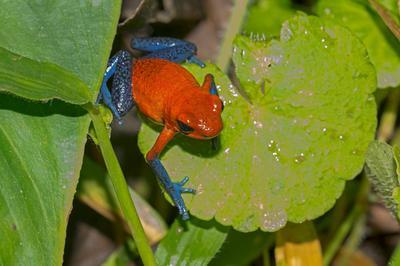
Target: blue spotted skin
x,y
120,100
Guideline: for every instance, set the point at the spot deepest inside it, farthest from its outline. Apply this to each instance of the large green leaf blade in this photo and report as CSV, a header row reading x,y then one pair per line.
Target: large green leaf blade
x,y
194,243
39,81
286,156
42,144
76,36
40,158
383,48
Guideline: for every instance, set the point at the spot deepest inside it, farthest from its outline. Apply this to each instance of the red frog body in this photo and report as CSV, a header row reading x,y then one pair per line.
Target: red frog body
x,y
166,93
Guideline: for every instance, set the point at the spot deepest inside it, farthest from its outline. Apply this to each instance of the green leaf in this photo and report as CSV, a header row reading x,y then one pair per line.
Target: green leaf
x,y
287,155
235,253
395,258
123,255
381,171
76,36
383,48
42,144
40,158
277,11
192,243
396,156
39,81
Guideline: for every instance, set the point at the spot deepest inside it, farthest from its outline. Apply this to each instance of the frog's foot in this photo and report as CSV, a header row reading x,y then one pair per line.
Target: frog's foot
x,y
178,189
178,186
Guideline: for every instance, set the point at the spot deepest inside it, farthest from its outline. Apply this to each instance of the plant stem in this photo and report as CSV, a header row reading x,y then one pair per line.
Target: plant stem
x,y
386,17
120,187
389,116
235,22
355,214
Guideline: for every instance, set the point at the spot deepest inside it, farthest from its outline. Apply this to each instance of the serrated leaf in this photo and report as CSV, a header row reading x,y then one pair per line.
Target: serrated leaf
x,y
287,155
75,36
42,144
193,243
383,48
39,81
396,156
276,12
381,171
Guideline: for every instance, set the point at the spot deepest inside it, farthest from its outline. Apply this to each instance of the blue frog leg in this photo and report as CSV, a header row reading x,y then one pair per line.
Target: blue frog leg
x,y
119,99
171,49
174,189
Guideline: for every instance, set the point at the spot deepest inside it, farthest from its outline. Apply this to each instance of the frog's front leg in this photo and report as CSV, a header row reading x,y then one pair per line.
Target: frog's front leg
x,y
173,189
170,49
119,99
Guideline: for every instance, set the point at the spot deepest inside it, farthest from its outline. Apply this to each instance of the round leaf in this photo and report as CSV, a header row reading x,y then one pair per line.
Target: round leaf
x,y
286,155
383,48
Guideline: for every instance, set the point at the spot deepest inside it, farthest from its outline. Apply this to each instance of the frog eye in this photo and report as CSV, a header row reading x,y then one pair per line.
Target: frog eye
x,y
184,128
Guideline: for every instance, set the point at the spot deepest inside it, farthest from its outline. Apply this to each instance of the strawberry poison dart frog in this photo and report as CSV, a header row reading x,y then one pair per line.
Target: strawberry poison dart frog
x,y
166,93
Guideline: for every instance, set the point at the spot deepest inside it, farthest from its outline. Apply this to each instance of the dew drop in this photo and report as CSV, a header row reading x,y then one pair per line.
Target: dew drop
x,y
324,129
226,151
226,221
341,137
299,158
273,221
258,124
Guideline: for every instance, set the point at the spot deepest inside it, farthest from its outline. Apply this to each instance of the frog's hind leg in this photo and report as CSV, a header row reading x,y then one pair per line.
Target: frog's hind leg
x,y
170,49
119,99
